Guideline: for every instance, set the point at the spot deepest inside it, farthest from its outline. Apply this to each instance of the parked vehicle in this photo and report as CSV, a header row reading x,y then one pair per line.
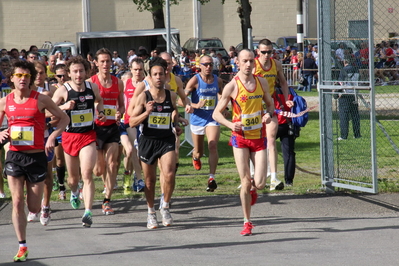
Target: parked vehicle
x,y
193,44
59,46
291,41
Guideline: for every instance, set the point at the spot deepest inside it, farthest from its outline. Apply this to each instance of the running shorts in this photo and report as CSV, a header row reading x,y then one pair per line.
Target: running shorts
x,y
253,145
150,150
107,134
31,165
74,142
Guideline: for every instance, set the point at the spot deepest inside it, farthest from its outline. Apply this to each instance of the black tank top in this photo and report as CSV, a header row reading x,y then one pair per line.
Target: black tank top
x,y
82,116
159,123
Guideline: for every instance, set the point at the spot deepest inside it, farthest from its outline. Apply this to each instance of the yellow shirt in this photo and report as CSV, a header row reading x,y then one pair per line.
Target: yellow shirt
x,y
269,74
172,83
247,108
49,73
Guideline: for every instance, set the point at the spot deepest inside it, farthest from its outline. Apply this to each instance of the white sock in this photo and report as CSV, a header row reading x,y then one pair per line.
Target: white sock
x,y
151,210
252,168
273,177
165,205
211,176
76,193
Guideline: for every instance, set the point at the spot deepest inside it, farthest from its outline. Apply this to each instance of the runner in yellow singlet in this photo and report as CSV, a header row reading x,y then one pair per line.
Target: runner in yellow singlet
x,y
271,70
246,92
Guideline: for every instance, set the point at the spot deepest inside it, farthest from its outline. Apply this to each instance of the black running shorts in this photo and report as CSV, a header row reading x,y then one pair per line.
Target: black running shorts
x,y
107,134
150,150
31,165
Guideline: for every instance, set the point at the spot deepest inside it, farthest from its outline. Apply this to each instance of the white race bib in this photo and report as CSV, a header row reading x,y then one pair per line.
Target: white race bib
x,y
210,102
159,120
251,121
82,118
22,136
110,111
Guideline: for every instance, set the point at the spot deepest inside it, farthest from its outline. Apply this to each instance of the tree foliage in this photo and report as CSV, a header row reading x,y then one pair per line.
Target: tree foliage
x,y
154,5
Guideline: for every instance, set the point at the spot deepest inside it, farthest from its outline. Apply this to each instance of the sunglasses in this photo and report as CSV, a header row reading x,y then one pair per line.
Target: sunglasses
x,y
60,76
20,75
267,52
207,64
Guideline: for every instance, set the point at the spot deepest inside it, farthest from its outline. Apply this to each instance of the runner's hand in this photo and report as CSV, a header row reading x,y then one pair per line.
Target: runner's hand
x,y
149,106
237,127
69,105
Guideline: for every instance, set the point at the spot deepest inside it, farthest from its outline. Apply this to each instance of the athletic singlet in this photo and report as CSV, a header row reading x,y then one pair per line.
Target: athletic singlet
x,y
269,74
128,94
172,83
159,123
110,100
49,73
82,115
247,108
43,89
209,93
26,123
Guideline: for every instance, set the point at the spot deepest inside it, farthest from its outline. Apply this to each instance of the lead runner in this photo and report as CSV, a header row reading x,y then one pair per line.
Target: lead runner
x,y
246,92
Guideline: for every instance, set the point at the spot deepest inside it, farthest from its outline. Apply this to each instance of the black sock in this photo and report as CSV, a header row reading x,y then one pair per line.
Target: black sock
x,y
61,175
22,242
105,200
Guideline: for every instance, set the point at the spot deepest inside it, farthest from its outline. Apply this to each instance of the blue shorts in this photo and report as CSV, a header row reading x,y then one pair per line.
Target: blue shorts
x,y
122,128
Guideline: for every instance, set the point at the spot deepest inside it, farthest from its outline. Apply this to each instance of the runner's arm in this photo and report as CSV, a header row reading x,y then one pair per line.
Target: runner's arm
x,y
176,114
283,83
139,89
141,110
45,102
99,103
121,102
3,134
227,93
266,118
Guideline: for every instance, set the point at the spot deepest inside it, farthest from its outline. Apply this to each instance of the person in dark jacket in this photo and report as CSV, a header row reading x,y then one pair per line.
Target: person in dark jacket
x,y
309,68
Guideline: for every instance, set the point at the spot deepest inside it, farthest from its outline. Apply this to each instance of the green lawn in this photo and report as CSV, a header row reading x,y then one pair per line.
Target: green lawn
x,y
190,182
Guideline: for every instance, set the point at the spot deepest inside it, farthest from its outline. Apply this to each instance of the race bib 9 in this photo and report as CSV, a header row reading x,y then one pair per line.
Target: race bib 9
x,y
82,118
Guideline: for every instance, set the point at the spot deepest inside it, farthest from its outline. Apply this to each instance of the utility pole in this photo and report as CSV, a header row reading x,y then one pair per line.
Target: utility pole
x,y
299,25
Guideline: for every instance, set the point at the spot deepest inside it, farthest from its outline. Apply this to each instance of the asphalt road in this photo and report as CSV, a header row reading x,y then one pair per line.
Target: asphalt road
x,y
318,229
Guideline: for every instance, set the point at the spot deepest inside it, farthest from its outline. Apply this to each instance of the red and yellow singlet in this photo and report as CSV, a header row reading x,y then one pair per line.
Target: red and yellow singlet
x,y
269,74
247,108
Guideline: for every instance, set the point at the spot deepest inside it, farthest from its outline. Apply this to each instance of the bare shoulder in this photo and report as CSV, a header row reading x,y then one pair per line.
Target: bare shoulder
x,y
278,63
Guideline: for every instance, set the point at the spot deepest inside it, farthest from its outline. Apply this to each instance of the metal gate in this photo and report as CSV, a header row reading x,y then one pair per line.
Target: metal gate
x,y
347,87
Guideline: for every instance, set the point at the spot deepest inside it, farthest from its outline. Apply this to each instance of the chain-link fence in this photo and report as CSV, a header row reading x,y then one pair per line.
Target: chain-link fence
x,y
359,80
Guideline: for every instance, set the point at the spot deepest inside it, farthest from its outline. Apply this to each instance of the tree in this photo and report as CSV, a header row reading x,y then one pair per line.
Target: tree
x,y
156,8
244,12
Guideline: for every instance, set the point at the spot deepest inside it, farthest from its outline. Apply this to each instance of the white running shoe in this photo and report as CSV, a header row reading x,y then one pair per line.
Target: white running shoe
x,y
32,217
276,185
2,195
167,219
152,221
45,216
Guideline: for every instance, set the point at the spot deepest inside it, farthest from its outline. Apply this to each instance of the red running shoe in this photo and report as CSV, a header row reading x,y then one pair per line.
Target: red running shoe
x,y
197,164
247,231
254,196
